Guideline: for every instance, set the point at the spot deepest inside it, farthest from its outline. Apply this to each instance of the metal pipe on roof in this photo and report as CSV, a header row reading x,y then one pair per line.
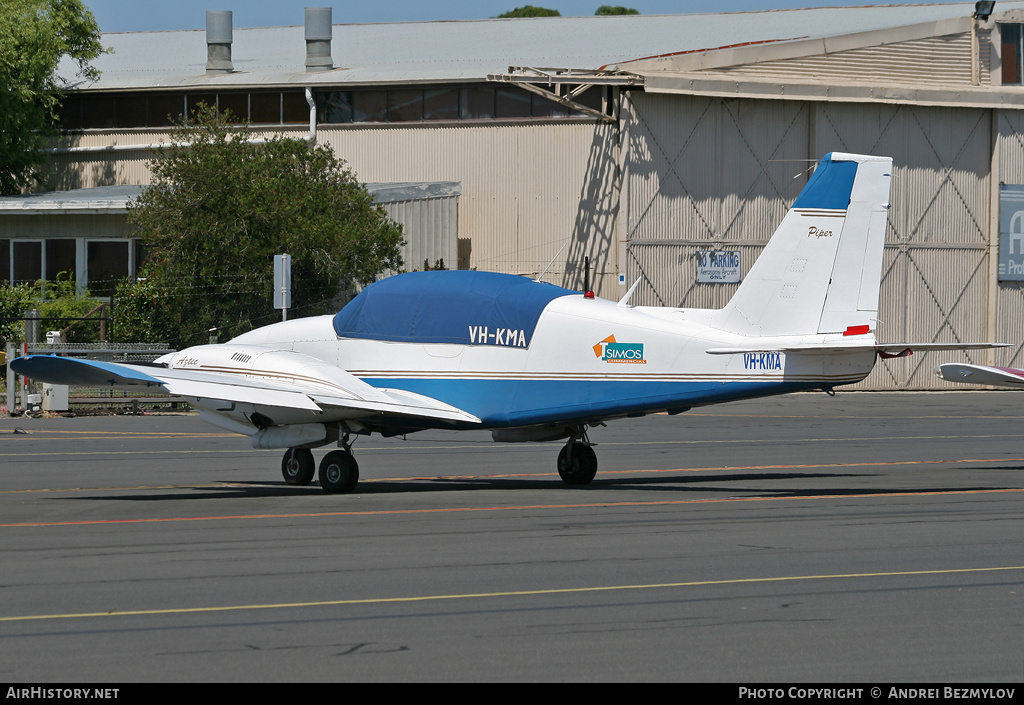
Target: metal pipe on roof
x,y
318,39
312,116
218,42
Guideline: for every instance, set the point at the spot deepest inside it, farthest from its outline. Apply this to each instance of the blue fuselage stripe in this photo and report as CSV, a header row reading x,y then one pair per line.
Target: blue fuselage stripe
x,y
502,403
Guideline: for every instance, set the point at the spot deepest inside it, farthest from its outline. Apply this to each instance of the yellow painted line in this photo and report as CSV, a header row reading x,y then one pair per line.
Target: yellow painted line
x,y
518,507
504,594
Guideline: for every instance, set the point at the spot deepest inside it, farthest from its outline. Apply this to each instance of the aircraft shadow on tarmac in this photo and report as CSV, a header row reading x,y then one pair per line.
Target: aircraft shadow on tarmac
x,y
661,483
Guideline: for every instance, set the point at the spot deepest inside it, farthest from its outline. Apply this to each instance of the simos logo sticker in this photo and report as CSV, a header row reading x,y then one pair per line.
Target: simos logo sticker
x,y
611,351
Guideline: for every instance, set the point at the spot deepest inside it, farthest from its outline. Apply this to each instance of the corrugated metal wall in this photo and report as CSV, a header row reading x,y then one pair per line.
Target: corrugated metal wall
x,y
945,59
934,281
533,194
431,229
73,170
1009,296
705,173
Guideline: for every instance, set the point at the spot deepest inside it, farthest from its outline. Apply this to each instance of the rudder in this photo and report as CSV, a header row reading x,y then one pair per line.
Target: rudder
x,y
821,270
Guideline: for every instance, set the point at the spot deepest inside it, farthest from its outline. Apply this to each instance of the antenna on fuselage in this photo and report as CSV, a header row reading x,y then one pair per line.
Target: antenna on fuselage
x,y
624,301
551,262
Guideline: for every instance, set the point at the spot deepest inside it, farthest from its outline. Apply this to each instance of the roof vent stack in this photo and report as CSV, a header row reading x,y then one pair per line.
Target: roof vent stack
x,y
318,39
218,42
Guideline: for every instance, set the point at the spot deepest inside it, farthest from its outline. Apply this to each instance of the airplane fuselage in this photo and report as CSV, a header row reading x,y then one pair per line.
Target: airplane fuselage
x,y
586,359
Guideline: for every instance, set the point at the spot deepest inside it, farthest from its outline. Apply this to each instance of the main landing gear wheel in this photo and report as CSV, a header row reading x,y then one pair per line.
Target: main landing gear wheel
x,y
339,472
298,466
577,463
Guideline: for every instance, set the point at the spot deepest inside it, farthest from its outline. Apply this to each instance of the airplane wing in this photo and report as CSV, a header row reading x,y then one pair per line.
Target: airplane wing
x,y
884,350
981,374
353,396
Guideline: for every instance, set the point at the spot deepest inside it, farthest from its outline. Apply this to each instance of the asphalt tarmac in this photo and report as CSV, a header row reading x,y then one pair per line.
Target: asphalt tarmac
x,y
865,538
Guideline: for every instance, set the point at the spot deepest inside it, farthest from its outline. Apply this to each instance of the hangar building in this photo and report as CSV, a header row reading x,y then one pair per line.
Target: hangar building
x,y
628,143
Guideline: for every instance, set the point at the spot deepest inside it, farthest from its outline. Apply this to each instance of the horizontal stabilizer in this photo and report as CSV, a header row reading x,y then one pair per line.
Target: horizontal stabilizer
x,y
981,374
886,350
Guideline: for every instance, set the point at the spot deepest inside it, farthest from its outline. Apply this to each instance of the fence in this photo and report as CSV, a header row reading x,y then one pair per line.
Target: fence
x,y
88,397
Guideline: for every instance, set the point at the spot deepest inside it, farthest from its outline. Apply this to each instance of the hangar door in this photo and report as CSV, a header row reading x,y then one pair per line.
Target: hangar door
x,y
705,173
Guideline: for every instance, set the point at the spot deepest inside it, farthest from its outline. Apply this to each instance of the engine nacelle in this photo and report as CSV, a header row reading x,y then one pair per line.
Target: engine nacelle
x,y
307,435
278,368
530,434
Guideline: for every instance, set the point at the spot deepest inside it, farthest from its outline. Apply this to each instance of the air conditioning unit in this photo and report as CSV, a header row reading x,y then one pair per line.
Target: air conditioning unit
x,y
55,397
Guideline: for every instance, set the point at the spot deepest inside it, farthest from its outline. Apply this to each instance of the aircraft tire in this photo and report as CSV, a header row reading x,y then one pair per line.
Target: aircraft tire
x,y
339,472
298,466
583,467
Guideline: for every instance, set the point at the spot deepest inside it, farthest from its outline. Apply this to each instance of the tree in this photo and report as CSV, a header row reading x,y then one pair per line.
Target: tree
x,y
220,208
34,36
15,299
615,10
530,11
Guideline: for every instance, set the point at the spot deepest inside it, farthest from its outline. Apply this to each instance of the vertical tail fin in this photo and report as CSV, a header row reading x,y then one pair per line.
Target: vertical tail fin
x,y
821,271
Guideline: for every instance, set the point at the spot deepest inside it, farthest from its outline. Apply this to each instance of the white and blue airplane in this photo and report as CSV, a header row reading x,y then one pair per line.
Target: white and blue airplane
x,y
536,362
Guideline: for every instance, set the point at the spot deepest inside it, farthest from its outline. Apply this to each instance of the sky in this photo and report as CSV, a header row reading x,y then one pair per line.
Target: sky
x,y
150,15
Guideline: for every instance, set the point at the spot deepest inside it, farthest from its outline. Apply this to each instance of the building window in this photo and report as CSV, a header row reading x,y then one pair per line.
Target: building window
x,y
60,258
1012,53
476,103
441,103
107,264
369,106
27,261
85,111
106,261
405,106
512,103
484,101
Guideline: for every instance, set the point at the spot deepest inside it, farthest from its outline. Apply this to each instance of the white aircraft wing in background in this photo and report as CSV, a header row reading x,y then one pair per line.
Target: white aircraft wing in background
x,y
981,374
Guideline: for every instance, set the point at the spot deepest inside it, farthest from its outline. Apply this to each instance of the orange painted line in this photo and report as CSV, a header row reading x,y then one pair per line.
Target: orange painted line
x,y
719,468
427,478
446,510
